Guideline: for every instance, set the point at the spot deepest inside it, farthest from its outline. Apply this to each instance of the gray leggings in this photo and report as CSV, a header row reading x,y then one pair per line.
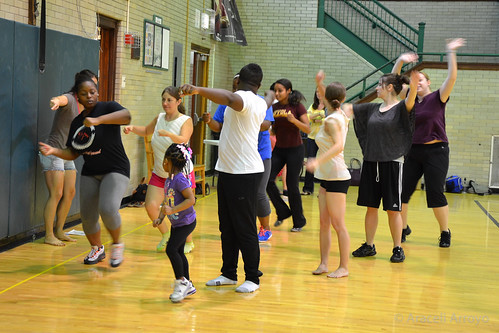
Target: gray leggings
x,y
262,200
101,195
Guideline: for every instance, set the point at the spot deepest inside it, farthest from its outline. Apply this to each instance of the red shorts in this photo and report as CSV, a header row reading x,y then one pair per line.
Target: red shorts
x,y
160,181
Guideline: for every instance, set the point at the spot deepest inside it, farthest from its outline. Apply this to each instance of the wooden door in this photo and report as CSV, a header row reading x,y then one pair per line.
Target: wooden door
x,y
199,77
107,58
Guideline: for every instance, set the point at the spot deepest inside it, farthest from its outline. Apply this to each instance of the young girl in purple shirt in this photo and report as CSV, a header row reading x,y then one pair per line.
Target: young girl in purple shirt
x,y
178,206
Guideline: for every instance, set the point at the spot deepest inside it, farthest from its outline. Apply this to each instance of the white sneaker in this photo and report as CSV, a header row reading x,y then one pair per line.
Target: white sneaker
x,y
95,255
247,287
116,254
221,281
180,290
191,290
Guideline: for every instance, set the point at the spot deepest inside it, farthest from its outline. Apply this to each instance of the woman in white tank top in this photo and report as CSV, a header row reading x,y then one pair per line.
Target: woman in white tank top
x,y
331,170
171,126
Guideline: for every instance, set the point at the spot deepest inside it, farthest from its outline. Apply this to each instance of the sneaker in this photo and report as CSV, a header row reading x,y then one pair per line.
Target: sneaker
x,y
188,247
95,255
221,281
278,223
264,235
191,290
247,287
406,232
398,254
296,229
306,193
444,239
182,286
116,254
365,250
161,247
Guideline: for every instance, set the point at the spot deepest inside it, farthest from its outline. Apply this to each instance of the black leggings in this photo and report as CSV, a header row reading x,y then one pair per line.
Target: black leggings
x,y
175,250
293,159
432,161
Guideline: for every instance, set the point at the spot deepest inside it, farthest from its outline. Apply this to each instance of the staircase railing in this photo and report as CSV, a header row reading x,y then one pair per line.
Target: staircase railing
x,y
376,25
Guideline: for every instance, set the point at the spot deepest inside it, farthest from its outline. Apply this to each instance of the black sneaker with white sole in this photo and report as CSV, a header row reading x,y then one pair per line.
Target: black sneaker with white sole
x,y
398,254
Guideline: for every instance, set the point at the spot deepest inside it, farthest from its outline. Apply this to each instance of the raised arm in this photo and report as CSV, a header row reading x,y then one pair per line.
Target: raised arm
x,y
451,47
141,130
402,59
269,98
219,96
319,81
410,100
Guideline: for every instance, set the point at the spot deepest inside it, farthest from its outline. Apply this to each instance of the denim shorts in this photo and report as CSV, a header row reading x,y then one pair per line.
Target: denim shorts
x,y
54,163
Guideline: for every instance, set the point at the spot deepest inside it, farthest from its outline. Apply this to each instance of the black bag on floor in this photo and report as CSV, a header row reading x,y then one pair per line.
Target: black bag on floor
x,y
355,167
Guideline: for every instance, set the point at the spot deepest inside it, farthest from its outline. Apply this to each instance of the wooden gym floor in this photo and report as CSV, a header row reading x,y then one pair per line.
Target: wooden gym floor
x,y
48,289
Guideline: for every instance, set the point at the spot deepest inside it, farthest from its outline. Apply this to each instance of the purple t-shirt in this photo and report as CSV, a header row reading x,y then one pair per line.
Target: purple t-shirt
x,y
173,197
430,119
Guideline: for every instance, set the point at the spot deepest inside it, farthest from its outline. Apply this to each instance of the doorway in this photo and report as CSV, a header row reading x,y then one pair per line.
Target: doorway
x,y
199,77
107,57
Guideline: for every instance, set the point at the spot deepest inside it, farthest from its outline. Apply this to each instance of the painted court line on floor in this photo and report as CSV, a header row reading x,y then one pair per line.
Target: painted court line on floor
x,y
487,213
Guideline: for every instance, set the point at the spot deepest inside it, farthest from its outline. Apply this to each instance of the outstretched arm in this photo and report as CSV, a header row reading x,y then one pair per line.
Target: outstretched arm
x,y
141,130
57,102
121,117
219,96
451,47
65,154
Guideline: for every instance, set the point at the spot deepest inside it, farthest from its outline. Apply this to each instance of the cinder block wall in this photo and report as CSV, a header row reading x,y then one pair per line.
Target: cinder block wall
x,y
477,21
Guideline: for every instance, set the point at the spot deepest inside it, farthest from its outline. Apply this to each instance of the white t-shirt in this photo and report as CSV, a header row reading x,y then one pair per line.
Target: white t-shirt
x,y
238,146
334,168
161,143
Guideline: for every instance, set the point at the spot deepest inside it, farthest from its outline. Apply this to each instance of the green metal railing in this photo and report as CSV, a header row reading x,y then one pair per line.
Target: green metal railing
x,y
375,25
366,85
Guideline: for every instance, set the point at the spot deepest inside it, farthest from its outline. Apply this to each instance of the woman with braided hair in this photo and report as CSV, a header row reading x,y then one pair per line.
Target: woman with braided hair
x,y
177,205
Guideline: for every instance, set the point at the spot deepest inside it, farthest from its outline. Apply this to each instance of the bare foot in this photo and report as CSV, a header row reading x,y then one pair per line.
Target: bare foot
x,y
339,273
54,241
320,270
65,238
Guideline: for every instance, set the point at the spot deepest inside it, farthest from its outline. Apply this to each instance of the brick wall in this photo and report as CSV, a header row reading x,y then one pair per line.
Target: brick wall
x,y
284,40
477,21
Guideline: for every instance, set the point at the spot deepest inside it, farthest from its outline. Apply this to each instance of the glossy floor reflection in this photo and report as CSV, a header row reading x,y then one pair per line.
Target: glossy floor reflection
x,y
48,289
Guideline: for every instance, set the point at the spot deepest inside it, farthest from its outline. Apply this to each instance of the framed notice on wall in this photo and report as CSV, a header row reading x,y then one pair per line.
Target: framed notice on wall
x,y
156,45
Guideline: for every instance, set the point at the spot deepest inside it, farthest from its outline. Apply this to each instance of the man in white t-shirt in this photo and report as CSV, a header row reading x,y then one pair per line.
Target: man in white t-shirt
x,y
240,167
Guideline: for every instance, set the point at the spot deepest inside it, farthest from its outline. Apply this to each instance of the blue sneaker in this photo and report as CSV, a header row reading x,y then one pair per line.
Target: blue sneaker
x,y
264,235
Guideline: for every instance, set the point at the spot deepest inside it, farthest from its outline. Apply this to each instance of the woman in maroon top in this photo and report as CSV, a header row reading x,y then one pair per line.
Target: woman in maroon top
x,y
290,117
429,154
